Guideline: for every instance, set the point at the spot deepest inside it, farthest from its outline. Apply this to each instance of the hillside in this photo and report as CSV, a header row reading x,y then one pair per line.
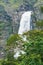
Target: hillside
x,y
11,11
31,42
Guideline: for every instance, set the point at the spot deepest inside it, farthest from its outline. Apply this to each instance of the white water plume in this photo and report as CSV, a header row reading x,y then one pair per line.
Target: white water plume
x,y
25,22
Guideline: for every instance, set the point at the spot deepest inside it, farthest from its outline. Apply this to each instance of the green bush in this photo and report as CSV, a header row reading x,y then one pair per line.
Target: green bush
x,y
33,48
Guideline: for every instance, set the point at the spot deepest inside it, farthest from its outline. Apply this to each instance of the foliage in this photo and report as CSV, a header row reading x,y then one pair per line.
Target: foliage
x,y
0,61
13,40
39,24
33,48
9,63
41,9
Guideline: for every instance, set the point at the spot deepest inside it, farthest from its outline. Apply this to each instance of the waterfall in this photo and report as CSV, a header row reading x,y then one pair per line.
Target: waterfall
x,y
24,27
25,22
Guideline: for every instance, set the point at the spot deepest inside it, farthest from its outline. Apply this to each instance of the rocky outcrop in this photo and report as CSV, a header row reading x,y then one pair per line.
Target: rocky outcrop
x,y
5,25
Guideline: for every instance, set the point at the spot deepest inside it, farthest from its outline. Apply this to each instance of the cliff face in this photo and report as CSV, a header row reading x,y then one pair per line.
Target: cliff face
x,y
5,24
38,7
11,11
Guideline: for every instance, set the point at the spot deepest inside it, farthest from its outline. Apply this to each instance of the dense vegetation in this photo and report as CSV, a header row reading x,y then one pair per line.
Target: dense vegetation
x,y
33,46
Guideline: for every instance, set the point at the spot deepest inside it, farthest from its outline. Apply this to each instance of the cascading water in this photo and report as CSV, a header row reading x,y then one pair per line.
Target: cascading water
x,y
25,22
24,27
